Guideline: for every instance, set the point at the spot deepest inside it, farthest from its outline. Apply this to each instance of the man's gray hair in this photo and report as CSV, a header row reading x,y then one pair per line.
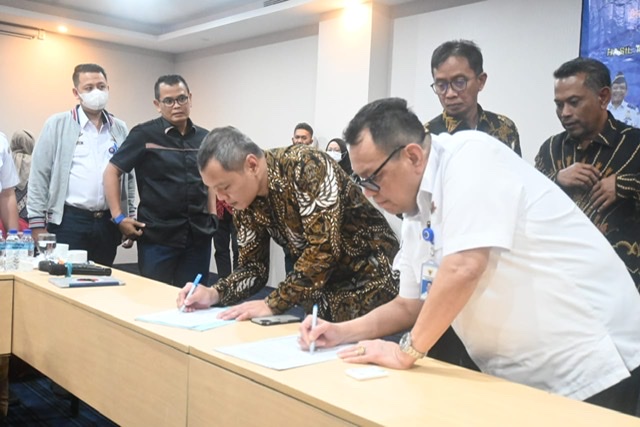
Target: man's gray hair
x,y
228,146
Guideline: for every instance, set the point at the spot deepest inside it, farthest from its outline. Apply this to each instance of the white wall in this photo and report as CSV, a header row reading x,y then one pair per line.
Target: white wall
x,y
35,77
522,42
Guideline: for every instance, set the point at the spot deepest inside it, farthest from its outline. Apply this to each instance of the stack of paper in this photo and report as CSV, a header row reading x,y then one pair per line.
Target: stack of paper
x,y
199,320
280,353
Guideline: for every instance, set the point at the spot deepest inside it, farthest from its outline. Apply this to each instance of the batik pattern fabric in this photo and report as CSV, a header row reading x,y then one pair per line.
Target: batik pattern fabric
x,y
343,245
496,125
616,150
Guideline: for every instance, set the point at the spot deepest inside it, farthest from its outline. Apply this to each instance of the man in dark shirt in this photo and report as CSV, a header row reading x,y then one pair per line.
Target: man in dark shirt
x,y
175,216
458,76
596,160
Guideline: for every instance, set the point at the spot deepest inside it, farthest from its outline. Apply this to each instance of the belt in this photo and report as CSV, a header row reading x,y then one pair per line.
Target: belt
x,y
88,213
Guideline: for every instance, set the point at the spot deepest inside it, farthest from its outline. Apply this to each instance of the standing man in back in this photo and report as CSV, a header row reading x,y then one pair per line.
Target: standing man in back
x,y
176,216
66,192
303,134
596,160
458,77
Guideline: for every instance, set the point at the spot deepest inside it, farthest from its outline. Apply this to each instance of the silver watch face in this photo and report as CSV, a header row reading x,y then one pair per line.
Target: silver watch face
x,y
405,341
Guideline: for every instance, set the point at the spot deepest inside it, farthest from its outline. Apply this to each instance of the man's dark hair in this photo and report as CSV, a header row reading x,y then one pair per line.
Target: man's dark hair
x,y
597,74
169,80
228,146
304,126
86,68
390,122
462,48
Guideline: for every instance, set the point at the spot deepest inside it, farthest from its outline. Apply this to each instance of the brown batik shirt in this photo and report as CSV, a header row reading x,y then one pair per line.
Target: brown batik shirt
x,y
616,150
496,125
343,245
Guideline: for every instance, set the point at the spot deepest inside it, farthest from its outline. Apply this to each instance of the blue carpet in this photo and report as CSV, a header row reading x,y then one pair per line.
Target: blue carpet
x,y
38,406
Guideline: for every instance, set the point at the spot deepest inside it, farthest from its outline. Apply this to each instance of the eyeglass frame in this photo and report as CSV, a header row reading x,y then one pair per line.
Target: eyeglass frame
x,y
369,182
185,99
449,85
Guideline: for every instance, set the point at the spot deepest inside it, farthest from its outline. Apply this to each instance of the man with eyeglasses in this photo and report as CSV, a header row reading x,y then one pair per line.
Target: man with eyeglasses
x,y
458,77
176,215
304,201
536,293
66,193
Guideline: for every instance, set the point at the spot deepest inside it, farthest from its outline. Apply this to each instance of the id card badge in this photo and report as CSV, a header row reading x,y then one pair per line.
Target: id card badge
x,y
429,268
427,276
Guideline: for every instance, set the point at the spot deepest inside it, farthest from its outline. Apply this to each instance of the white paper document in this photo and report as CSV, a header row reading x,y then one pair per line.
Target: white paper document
x,y
199,320
280,353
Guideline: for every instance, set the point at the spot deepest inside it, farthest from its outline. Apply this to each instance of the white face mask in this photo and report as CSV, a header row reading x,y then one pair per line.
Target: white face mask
x,y
95,100
335,155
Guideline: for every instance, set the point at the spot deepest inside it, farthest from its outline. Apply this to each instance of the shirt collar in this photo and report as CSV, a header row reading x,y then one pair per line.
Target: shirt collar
x,y
423,199
454,125
608,133
168,127
82,118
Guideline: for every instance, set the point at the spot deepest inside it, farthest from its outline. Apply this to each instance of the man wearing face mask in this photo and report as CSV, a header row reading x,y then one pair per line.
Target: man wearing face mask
x,y
66,192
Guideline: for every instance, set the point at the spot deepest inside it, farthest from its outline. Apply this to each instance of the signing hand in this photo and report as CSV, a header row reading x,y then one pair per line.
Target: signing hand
x,y
603,193
378,352
580,175
246,310
202,297
325,334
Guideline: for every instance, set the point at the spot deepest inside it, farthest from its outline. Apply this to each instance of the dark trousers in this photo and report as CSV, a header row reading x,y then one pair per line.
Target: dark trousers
x,y
90,231
450,349
225,234
623,397
175,266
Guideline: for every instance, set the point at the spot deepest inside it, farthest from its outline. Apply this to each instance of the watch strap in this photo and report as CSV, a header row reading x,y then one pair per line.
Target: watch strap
x,y
117,220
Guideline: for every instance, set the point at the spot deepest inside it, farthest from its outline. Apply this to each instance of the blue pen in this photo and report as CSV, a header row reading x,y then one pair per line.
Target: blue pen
x,y
314,323
193,288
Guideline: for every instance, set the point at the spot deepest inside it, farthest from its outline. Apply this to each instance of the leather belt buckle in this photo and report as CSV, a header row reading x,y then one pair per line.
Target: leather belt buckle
x,y
98,214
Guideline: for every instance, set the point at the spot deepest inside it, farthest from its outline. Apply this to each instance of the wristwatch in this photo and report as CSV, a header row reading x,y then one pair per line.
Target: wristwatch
x,y
407,347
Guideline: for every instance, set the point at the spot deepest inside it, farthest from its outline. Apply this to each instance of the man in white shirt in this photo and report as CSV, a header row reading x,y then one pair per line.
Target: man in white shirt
x,y
66,192
535,292
8,180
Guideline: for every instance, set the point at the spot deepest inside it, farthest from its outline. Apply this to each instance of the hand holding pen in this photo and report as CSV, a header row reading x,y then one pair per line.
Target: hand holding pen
x,y
183,305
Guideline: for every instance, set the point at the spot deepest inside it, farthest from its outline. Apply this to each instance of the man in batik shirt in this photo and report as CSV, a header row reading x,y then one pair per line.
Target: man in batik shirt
x,y
458,77
342,245
596,160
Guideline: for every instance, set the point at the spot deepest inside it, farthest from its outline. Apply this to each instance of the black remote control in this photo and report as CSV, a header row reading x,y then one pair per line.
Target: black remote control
x,y
57,269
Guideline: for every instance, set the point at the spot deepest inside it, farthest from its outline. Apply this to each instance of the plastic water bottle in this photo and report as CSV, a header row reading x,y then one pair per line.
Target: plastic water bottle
x,y
13,247
26,251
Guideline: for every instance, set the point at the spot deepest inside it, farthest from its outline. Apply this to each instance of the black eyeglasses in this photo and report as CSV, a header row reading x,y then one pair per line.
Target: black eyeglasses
x,y
369,183
457,85
170,102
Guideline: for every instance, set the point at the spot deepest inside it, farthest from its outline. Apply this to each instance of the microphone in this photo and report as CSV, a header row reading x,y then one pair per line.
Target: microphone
x,y
57,269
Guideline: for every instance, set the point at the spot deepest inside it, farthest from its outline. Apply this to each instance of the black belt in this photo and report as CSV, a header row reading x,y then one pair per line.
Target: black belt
x,y
88,213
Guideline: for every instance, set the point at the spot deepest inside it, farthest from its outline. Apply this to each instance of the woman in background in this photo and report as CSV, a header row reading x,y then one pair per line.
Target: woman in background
x,y
22,143
337,149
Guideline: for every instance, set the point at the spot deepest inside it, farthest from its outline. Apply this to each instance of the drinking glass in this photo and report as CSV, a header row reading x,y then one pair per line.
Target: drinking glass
x,y
46,245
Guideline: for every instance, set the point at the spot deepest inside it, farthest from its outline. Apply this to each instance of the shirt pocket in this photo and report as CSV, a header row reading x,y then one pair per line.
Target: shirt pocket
x,y
82,150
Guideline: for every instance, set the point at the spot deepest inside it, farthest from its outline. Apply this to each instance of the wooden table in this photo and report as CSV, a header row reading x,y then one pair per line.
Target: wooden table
x,y
140,374
224,390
